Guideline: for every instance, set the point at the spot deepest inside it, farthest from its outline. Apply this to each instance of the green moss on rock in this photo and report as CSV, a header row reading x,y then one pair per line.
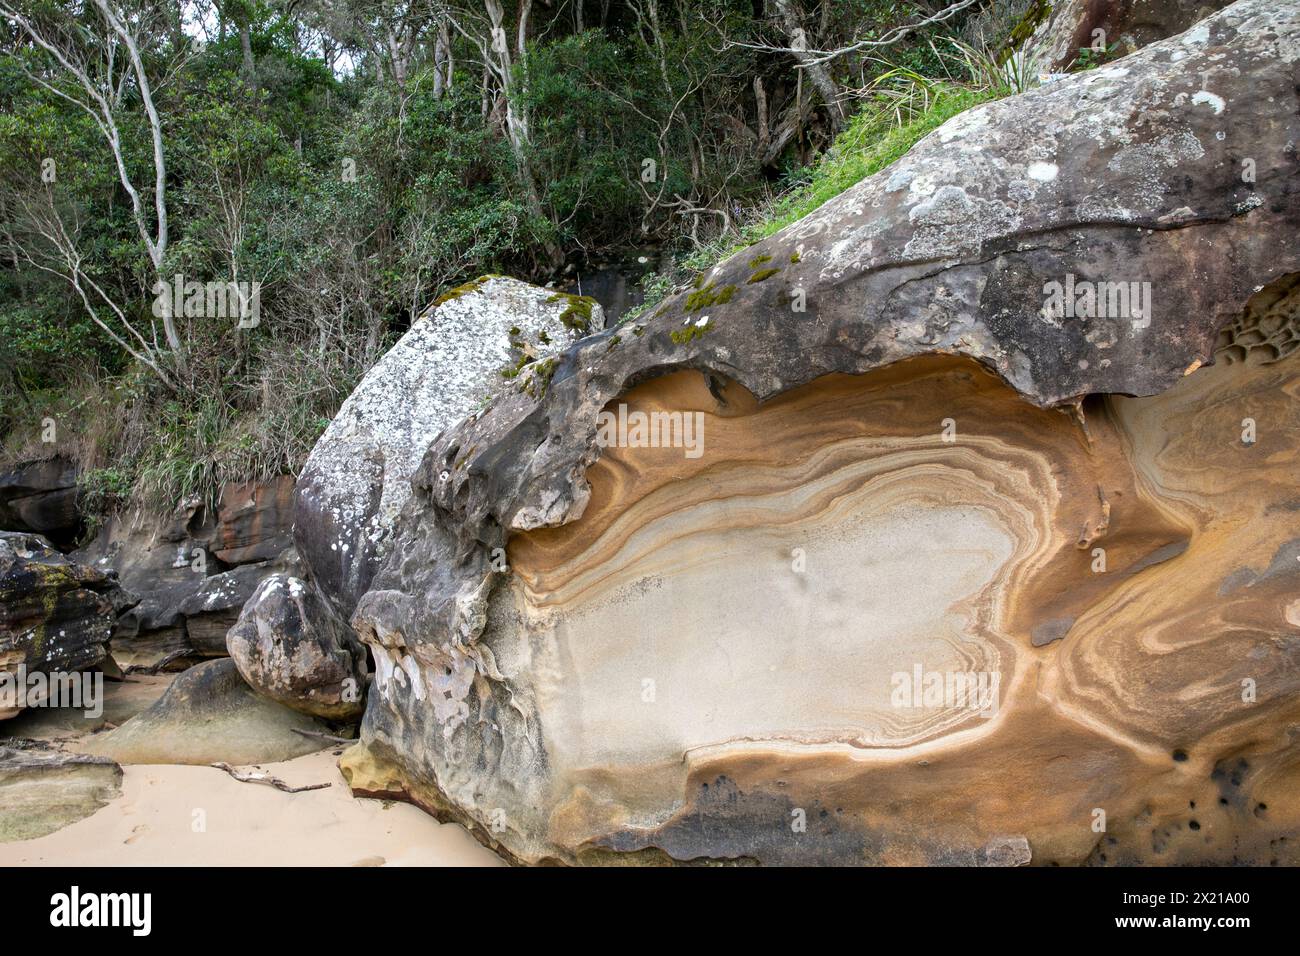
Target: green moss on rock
x,y
577,314
709,295
472,286
535,378
691,332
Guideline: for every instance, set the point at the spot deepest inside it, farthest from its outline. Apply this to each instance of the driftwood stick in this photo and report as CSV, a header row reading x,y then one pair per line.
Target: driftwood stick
x,y
267,779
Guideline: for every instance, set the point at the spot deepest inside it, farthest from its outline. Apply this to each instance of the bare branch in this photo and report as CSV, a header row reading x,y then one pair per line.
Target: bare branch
x,y
811,57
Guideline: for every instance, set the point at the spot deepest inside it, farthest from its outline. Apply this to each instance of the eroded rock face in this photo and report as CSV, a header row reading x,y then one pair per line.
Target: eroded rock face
x,y
290,647
254,520
189,594
41,497
358,476
56,614
905,592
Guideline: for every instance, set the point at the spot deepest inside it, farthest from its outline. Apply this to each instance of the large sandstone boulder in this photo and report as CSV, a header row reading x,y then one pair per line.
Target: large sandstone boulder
x,y
56,615
445,367
209,715
292,642
290,646
954,523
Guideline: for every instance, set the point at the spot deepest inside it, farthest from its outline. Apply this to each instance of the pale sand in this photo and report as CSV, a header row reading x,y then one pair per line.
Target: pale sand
x,y
153,823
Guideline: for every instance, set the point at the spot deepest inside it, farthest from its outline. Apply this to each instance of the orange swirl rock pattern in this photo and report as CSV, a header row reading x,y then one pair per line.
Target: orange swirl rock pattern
x,y
929,573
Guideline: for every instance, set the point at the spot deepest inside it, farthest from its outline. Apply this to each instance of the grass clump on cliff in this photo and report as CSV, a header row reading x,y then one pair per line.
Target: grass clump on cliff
x,y
874,139
901,108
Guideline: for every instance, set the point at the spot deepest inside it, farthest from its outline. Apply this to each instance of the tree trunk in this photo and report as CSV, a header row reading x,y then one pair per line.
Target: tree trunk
x,y
246,48
442,62
760,100
517,131
791,17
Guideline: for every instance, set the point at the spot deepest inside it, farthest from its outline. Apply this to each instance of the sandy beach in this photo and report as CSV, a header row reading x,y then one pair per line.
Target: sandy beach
x,y
200,816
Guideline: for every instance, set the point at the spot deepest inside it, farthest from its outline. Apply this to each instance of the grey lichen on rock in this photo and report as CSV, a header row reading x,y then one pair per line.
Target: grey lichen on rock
x,y
358,476
291,647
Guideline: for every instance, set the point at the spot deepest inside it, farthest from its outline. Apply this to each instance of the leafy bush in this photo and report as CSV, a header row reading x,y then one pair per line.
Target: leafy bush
x,y
356,196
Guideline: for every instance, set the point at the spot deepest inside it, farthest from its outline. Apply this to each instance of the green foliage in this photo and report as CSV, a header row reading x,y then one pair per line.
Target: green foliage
x,y
103,491
874,139
1089,58
587,99
357,201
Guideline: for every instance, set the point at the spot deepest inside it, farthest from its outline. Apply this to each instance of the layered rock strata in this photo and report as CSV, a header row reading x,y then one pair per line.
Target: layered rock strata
x,y
56,617
973,606
193,570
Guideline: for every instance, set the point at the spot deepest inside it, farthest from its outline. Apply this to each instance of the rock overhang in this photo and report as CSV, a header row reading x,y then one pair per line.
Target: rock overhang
x,y
519,467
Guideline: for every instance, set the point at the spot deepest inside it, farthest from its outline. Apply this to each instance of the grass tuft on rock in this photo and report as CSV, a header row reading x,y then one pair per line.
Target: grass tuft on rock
x,y
874,139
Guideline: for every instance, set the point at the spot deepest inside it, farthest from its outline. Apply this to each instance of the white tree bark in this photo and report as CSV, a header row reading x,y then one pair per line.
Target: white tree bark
x,y
818,74
102,101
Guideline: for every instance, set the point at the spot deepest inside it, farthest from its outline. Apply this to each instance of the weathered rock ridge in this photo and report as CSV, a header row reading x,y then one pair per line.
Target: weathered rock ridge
x,y
729,655
56,615
358,476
